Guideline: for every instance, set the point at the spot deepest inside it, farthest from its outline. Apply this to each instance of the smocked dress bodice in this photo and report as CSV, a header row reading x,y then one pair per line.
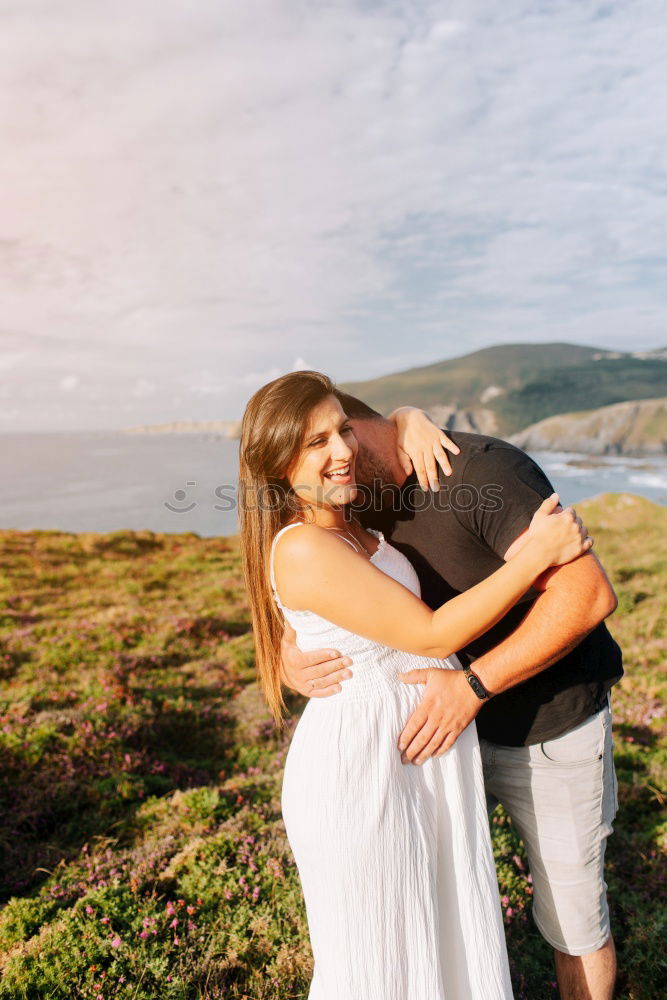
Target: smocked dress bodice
x,y
375,665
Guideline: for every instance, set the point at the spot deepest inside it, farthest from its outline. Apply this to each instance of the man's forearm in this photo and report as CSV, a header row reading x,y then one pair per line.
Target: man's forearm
x,y
551,629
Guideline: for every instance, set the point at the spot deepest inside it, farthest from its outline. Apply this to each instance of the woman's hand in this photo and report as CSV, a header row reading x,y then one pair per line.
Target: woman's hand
x,y
316,674
421,445
562,536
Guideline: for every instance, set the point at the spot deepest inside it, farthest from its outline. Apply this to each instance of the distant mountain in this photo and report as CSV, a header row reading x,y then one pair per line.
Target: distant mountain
x,y
501,390
224,428
634,428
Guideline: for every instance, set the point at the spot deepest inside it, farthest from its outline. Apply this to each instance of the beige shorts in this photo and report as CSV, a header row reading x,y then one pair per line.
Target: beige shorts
x,y
562,798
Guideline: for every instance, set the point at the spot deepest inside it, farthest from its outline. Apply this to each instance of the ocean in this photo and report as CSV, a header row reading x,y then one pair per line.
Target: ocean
x,y
110,480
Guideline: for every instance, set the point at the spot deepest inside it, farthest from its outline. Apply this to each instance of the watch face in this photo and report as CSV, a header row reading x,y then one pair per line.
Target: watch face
x,y
477,686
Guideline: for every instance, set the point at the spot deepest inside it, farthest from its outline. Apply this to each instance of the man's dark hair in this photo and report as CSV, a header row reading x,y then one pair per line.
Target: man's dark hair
x,y
355,409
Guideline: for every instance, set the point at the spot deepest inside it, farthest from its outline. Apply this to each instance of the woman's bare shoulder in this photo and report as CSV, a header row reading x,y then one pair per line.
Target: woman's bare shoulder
x,y
305,557
300,544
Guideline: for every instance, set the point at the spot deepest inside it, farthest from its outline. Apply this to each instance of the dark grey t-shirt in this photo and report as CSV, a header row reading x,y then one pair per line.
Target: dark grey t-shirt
x,y
458,537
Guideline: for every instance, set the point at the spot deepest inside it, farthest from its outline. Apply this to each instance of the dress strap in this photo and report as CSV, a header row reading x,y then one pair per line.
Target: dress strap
x,y
286,527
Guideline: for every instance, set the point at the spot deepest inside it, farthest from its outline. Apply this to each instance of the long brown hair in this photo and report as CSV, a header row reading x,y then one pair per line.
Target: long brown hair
x,y
274,425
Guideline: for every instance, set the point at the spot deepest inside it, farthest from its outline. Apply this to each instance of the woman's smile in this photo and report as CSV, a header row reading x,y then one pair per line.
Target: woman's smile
x,y
342,475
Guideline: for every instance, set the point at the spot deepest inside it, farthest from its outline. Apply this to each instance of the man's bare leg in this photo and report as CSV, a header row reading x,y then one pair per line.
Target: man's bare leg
x,y
587,977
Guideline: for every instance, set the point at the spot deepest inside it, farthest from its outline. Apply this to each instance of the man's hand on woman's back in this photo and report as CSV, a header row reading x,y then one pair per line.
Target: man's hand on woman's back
x,y
316,674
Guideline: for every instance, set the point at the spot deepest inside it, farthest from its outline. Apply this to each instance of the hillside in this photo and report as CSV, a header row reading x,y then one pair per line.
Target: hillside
x,y
498,390
501,390
635,428
143,851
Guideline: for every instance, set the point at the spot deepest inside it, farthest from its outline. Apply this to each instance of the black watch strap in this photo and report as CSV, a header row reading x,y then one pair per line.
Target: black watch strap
x,y
476,684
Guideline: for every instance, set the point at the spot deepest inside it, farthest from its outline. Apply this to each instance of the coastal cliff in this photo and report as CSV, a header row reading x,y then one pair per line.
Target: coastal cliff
x,y
637,428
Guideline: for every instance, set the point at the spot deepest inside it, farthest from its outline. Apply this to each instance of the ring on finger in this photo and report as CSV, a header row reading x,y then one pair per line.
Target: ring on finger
x,y
312,684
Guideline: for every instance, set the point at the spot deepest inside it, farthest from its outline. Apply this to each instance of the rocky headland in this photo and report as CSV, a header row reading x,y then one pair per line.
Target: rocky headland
x,y
636,428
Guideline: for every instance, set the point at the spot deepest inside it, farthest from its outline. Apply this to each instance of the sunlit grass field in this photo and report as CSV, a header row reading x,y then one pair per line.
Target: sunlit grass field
x,y
143,853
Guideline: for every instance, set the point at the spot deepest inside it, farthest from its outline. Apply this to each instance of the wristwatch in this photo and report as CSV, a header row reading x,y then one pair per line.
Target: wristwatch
x,y
476,684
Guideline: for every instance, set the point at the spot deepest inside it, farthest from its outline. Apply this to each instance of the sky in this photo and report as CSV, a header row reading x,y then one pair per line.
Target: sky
x,y
196,197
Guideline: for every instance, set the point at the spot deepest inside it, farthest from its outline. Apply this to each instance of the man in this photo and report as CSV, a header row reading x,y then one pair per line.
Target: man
x,y
539,689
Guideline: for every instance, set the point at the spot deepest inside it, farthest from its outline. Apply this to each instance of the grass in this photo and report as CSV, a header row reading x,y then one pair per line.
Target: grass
x,y
143,853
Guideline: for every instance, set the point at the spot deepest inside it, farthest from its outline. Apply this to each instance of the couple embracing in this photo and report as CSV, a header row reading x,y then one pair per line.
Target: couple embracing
x,y
454,657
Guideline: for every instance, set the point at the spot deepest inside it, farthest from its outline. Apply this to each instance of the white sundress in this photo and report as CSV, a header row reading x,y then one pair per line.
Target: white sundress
x,y
395,859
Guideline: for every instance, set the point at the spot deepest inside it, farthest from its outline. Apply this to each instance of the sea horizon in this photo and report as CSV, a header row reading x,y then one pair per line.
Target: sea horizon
x,y
110,480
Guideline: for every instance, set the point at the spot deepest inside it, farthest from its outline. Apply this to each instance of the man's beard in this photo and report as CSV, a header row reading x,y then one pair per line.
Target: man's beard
x,y
378,494
370,468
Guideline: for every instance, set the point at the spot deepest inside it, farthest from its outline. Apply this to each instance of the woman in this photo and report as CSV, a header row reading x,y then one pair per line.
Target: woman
x,y
395,861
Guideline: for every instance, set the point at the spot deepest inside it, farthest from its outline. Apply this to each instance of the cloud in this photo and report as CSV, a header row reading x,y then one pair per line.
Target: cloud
x,y
11,359
143,388
202,193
